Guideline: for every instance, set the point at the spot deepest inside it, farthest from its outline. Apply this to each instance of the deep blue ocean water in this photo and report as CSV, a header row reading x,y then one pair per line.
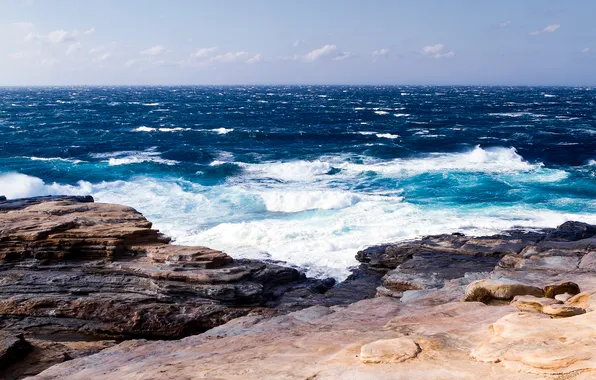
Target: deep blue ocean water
x,y
309,174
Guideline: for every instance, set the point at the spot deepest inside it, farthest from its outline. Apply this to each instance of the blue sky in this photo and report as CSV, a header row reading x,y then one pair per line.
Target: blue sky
x,y
64,42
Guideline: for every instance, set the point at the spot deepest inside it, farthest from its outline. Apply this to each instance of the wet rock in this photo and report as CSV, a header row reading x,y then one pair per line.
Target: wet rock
x,y
2,198
552,290
501,289
389,351
572,231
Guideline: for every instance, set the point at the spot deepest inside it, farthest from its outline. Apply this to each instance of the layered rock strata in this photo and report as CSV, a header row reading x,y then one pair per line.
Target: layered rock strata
x,y
419,326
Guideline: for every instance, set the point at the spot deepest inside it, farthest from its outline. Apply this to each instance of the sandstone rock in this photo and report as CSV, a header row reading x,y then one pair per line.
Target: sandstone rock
x,y
530,343
559,310
588,262
552,290
532,304
389,351
583,300
501,289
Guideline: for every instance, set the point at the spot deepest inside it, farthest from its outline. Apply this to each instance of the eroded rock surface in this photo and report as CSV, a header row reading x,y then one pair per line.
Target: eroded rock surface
x,y
420,309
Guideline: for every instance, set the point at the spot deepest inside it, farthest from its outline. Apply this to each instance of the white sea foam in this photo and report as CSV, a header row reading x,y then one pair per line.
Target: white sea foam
x,y
296,201
386,136
134,157
144,129
222,131
71,160
223,217
401,114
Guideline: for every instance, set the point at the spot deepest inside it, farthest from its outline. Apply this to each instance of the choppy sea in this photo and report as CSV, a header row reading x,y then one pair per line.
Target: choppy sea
x,y
309,174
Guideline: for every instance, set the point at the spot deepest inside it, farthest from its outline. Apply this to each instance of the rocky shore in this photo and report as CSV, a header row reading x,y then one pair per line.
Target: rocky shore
x,y
90,290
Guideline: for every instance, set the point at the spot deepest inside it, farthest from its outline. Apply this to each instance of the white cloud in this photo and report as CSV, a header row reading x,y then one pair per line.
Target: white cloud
x,y
230,57
255,59
547,29
55,37
343,56
504,24
437,51
316,54
89,31
130,62
72,48
381,53
585,50
298,43
154,51
205,53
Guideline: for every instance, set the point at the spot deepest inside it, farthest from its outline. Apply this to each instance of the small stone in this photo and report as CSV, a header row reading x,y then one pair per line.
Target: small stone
x,y
561,310
563,297
552,290
532,304
389,351
502,289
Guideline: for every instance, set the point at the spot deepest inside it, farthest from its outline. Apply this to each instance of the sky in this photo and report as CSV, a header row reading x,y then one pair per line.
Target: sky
x,y
212,42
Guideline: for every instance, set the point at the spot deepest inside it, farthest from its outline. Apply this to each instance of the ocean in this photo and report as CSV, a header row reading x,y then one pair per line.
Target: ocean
x,y
309,174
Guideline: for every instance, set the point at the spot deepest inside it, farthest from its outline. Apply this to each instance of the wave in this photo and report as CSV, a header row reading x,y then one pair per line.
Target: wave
x,y
296,201
150,129
222,131
381,112
71,160
489,160
378,134
264,222
134,157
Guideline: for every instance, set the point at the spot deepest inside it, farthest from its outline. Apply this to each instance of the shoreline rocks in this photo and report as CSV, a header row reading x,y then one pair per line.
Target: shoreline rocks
x,y
272,322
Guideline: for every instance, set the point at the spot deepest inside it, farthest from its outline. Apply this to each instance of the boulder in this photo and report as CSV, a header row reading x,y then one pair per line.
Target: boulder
x,y
550,291
2,198
388,351
502,289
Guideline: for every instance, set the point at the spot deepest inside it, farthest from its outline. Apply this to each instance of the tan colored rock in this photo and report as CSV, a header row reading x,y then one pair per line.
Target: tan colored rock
x,y
530,343
501,289
559,310
532,304
552,290
389,351
583,300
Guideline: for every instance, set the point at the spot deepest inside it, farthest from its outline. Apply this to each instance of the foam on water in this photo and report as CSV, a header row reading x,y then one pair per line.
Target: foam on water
x,y
321,229
134,157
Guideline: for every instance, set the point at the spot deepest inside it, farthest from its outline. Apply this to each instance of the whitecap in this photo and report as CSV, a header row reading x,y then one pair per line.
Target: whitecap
x,y
144,129
296,201
401,114
381,112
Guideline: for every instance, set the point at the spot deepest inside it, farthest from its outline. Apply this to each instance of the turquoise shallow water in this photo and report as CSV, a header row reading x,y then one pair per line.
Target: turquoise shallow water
x,y
310,174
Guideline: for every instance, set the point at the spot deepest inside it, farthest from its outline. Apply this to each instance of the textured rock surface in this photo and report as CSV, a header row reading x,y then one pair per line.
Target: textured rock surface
x,y
420,328
502,289
389,351
72,270
456,340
